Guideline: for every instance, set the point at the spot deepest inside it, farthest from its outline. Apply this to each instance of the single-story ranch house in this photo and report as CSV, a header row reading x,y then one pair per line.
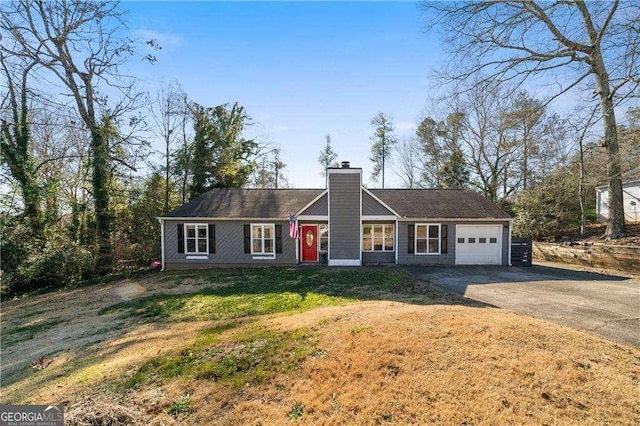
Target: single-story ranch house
x,y
343,225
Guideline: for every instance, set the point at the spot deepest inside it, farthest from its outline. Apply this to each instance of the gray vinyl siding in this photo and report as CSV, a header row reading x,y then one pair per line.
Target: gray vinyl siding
x,y
378,257
344,216
229,246
371,207
405,258
319,208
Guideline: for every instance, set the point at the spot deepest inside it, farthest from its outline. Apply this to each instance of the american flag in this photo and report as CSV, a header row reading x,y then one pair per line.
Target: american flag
x,y
293,227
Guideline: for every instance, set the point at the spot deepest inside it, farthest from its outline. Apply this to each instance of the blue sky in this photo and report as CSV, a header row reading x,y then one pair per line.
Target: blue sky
x,y
300,69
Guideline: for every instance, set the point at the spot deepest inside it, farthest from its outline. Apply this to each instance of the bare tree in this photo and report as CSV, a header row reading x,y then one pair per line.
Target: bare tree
x,y
268,173
408,163
582,126
81,44
592,45
168,113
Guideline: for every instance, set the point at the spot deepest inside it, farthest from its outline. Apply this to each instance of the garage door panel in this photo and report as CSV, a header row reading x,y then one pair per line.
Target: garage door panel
x,y
478,244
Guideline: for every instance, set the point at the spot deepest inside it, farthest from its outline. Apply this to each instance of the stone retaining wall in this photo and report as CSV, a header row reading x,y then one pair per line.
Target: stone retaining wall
x,y
624,258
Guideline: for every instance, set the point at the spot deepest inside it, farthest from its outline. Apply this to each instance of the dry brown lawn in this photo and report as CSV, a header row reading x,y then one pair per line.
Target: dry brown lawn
x,y
442,361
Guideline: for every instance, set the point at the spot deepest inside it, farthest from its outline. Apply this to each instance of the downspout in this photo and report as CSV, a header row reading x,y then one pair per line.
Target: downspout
x,y
509,249
161,242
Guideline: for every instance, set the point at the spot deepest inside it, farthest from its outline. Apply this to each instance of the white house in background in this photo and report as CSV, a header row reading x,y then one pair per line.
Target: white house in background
x,y
630,197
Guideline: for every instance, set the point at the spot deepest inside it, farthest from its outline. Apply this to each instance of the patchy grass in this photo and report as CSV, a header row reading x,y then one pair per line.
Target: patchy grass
x,y
312,346
250,356
11,336
248,292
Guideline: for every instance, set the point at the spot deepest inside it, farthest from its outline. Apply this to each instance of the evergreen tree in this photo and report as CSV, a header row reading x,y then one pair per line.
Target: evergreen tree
x,y
327,157
383,140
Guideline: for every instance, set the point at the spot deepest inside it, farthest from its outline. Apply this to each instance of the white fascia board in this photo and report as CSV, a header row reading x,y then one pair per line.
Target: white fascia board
x,y
380,201
313,201
313,217
454,219
365,218
344,262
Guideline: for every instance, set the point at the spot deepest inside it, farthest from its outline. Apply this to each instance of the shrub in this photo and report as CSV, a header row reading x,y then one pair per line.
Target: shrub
x,y
59,263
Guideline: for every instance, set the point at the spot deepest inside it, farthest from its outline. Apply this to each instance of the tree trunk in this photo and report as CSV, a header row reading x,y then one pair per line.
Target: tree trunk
x,y
167,142
583,214
100,182
616,224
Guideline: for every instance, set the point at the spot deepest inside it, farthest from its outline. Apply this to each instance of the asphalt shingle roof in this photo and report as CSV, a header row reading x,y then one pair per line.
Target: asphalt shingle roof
x,y
279,203
439,203
247,203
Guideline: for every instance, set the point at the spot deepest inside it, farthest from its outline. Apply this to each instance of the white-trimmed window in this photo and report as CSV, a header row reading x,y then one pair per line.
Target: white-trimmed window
x,y
263,239
323,230
196,238
427,238
378,237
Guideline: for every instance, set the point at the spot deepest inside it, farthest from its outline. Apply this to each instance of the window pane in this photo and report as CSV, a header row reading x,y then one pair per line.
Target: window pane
x,y
191,245
191,231
388,231
377,242
433,231
202,232
268,246
267,232
433,246
492,240
421,231
472,240
366,230
388,244
366,244
257,246
324,237
257,231
421,246
482,240
202,246
461,240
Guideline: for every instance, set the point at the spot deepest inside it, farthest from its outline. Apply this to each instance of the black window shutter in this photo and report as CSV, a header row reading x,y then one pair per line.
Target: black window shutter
x,y
212,238
443,239
181,238
278,238
247,238
410,248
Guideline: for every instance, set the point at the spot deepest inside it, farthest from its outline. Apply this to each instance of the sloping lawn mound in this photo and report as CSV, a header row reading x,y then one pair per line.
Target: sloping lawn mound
x,y
315,347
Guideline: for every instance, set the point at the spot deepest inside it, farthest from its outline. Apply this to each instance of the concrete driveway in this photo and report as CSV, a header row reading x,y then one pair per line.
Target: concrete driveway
x,y
607,305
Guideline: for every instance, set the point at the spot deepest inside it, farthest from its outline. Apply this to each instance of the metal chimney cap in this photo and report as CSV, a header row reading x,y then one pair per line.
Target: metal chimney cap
x,y
345,164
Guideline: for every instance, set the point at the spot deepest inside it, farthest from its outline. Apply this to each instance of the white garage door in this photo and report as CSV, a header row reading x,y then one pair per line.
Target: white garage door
x,y
478,244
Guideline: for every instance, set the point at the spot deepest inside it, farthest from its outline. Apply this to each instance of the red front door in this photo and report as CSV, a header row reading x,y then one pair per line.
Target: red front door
x,y
309,241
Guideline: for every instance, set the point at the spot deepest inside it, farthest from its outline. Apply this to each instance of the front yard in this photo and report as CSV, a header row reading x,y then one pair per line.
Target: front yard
x,y
272,346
